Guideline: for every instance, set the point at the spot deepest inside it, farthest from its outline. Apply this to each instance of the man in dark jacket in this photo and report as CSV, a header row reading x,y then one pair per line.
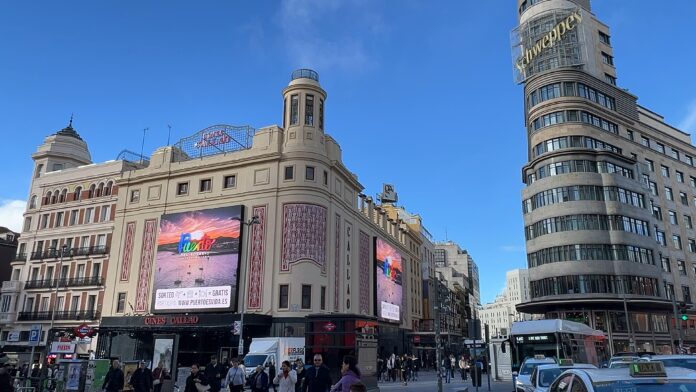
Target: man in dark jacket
x,y
258,381
318,378
141,379
214,371
113,382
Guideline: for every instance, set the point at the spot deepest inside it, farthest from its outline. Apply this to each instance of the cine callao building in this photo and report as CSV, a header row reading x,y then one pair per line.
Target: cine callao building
x,y
610,187
268,223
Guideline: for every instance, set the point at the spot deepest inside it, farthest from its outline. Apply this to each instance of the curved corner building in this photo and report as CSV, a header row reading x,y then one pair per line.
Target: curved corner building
x,y
610,193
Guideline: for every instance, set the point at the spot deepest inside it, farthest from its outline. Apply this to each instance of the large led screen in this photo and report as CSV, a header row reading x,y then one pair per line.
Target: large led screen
x,y
388,277
198,260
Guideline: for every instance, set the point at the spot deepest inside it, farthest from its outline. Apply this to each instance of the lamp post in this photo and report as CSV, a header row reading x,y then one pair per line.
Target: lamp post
x,y
438,360
240,350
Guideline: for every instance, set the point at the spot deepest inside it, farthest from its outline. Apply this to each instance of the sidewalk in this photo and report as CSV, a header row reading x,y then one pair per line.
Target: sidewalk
x,y
427,381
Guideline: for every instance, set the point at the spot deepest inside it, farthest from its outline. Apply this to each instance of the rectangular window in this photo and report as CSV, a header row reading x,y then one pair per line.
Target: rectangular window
x,y
104,214
135,196
283,296
665,264
673,217
645,141
660,237
610,79
682,267
289,172
629,134
74,303
206,185
294,109
309,173
44,221
230,181
604,38
121,303
684,198
322,298
668,193
670,291
306,296
664,170
84,244
73,217
676,241
60,216
651,165
607,59
692,181
674,153
326,178
660,147
182,188
27,224
692,245
321,114
679,175
687,222
309,110
88,215
687,294
689,160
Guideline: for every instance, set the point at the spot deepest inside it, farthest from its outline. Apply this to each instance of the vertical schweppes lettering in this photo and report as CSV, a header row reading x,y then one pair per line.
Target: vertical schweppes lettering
x,y
548,40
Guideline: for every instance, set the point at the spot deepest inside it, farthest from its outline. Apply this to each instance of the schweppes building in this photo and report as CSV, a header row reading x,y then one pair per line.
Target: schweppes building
x,y
610,188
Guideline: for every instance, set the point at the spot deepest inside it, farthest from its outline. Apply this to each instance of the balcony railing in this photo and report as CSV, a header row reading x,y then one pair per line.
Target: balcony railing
x,y
64,282
11,286
72,252
70,315
19,257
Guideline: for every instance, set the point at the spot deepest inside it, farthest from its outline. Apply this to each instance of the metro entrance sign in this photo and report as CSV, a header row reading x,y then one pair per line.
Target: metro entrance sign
x,y
35,335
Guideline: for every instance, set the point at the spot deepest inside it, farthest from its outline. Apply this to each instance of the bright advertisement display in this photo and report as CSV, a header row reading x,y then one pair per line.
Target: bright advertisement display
x,y
197,261
388,277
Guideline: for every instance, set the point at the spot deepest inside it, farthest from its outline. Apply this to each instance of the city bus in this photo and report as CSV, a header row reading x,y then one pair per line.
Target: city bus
x,y
558,339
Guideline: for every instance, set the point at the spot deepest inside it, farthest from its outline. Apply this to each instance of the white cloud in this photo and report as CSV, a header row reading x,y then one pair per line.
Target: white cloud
x,y
513,248
307,46
11,214
688,124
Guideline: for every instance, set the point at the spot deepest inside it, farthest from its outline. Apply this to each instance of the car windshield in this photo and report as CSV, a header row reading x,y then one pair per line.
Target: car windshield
x,y
619,365
528,368
252,361
547,376
646,385
680,362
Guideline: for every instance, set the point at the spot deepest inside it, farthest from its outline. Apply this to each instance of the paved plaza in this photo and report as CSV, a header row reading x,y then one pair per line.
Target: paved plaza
x,y
427,381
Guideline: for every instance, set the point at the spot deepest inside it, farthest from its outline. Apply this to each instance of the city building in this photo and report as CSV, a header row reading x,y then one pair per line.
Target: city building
x,y
8,249
267,224
501,313
610,187
458,268
57,278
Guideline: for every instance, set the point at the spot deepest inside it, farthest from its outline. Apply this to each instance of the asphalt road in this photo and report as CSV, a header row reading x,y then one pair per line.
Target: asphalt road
x,y
427,381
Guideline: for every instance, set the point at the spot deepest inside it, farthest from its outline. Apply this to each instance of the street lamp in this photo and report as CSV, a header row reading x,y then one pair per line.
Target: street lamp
x,y
240,350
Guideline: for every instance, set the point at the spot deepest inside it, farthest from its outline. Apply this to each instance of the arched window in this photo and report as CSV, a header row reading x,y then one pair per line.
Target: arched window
x,y
32,202
100,190
92,188
107,189
63,196
54,199
78,193
48,197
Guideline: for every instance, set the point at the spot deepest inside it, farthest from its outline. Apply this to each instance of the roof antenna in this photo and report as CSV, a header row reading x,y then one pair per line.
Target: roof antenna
x,y
70,123
142,146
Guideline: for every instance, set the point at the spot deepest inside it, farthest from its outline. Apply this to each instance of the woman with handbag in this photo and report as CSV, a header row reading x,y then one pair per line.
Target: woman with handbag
x,y
158,376
196,382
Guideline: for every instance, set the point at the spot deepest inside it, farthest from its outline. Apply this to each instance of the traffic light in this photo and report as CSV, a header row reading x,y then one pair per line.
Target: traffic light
x,y
683,307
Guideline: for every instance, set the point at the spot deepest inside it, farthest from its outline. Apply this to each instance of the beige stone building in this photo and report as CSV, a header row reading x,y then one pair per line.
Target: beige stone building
x,y
610,187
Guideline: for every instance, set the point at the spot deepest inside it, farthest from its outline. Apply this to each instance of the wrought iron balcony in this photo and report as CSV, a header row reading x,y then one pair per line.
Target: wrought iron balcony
x,y
19,257
64,282
69,315
72,252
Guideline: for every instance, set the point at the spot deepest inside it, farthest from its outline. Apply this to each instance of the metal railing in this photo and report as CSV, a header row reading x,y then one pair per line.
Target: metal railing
x,y
64,282
304,73
72,252
19,257
69,315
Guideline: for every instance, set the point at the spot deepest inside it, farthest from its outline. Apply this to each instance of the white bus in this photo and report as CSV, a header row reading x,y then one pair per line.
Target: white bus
x,y
559,339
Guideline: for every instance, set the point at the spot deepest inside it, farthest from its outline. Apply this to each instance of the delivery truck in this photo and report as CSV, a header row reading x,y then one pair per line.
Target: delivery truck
x,y
264,351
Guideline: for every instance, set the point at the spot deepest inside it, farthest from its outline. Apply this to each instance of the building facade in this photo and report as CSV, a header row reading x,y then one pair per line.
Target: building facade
x,y
610,187
500,314
457,267
300,239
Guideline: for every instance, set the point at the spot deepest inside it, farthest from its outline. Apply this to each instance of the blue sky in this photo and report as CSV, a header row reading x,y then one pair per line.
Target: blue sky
x,y
420,93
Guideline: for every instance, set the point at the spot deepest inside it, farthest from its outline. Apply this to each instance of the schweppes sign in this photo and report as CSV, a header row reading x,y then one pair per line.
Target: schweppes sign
x,y
548,40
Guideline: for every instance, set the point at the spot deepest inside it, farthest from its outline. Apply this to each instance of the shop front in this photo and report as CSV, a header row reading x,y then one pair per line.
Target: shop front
x,y
180,339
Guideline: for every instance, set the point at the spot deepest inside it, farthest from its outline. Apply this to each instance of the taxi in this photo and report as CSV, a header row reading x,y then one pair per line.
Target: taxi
x,y
544,375
638,377
526,369
677,360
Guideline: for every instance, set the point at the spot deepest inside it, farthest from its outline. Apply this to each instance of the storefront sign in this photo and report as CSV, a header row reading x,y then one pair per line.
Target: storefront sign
x,y
84,330
548,40
213,138
329,326
173,320
62,348
13,336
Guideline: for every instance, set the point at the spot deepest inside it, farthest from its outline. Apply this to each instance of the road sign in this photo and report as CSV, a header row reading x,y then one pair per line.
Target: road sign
x,y
35,335
84,330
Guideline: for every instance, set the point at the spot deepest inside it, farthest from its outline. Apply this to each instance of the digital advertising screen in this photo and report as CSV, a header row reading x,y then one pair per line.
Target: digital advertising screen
x,y
388,281
197,260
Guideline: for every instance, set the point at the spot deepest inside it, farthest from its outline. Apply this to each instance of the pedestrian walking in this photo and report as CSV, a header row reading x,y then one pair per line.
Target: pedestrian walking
x,y
141,379
391,363
463,367
271,375
453,364
350,374
405,368
416,363
446,367
113,382
196,381
234,379
158,376
5,376
301,373
258,381
214,372
318,378
286,378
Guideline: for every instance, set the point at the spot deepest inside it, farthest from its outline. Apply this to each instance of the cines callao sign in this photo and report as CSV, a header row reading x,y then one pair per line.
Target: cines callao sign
x,y
548,40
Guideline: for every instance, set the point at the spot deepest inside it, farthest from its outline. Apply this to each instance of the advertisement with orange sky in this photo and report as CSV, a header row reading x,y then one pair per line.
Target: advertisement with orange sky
x,y
388,281
197,261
